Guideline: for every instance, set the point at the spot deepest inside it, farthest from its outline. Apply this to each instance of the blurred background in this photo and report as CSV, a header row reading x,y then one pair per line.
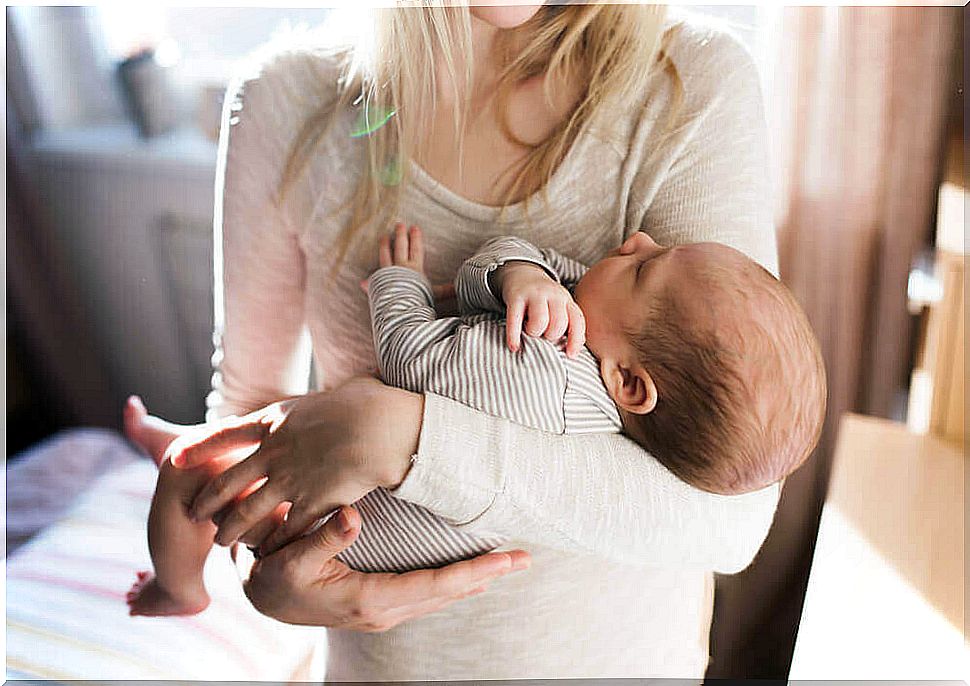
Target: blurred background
x,y
112,121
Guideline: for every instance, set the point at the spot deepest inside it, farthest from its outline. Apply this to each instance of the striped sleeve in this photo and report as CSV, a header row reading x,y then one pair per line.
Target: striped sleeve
x,y
568,270
404,323
472,288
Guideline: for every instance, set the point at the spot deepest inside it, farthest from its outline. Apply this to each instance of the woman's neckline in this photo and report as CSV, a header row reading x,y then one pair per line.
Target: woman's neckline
x,y
471,209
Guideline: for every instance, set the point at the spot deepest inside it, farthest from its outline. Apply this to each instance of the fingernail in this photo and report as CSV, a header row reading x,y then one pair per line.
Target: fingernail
x,y
506,564
343,522
518,564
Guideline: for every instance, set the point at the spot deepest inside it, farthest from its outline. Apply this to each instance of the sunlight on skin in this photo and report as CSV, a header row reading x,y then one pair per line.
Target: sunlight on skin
x,y
504,16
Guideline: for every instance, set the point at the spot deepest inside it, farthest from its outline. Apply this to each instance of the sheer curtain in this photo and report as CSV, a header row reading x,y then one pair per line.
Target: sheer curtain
x,y
856,100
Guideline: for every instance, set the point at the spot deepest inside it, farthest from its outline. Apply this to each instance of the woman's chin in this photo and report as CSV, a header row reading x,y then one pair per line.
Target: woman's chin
x,y
504,16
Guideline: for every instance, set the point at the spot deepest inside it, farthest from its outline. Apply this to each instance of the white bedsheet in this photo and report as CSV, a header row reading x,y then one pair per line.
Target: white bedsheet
x,y
66,612
44,481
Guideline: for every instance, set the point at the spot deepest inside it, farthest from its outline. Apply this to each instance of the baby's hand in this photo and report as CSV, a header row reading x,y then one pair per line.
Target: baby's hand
x,y
407,250
547,308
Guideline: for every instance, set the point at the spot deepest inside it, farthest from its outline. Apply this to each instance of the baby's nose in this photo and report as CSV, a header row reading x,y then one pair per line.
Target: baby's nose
x,y
637,241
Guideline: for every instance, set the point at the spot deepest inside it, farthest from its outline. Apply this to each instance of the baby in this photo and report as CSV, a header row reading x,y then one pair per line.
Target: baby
x,y
696,352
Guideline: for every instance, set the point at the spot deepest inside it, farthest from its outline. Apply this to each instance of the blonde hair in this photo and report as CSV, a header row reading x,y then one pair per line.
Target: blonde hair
x,y
389,69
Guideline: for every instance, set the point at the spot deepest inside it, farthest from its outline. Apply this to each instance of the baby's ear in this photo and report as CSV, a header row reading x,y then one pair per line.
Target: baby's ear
x,y
632,388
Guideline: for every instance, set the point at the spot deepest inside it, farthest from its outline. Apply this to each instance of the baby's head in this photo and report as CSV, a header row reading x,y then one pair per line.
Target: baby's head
x,y
712,363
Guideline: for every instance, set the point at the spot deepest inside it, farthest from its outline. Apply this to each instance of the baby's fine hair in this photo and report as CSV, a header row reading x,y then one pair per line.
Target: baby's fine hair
x,y
739,405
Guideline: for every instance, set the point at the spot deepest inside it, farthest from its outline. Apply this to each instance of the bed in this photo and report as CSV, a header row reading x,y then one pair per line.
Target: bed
x,y
76,512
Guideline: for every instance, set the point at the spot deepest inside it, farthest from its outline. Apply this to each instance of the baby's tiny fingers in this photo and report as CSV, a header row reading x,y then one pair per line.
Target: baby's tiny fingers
x,y
401,243
416,248
384,252
577,330
513,321
558,320
537,318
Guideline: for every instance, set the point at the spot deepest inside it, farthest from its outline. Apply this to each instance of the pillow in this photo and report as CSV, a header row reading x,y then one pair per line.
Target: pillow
x,y
67,617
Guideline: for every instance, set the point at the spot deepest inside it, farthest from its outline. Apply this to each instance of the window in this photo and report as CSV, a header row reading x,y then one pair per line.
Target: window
x,y
69,54
207,40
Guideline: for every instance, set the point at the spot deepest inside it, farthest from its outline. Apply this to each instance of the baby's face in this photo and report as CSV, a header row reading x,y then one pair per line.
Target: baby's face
x,y
614,292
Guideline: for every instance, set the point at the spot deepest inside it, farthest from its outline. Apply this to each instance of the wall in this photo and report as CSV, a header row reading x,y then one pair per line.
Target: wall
x,y
134,219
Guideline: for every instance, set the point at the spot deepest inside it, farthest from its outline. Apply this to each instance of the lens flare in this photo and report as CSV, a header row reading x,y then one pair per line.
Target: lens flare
x,y
370,119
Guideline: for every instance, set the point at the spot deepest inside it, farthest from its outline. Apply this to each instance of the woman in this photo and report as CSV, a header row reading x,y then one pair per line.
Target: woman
x,y
582,124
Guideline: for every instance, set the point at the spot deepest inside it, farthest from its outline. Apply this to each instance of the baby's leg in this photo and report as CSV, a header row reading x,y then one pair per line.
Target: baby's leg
x,y
178,546
152,434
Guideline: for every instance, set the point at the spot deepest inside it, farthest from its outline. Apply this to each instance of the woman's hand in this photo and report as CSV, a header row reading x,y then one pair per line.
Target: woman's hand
x,y
302,584
319,451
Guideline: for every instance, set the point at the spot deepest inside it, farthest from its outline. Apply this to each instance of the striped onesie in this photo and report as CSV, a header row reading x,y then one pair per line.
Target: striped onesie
x,y
466,358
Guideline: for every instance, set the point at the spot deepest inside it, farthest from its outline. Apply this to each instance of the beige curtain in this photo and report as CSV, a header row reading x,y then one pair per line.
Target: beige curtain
x,y
856,108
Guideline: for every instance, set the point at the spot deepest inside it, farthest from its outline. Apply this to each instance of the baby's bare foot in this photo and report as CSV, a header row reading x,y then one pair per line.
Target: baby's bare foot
x,y
151,434
147,598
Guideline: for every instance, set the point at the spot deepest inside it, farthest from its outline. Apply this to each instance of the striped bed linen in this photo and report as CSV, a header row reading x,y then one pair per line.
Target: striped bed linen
x,y
66,612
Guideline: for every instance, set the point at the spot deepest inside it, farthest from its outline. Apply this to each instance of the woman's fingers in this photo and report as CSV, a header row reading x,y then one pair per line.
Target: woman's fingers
x,y
392,618
247,513
224,488
302,584
577,330
382,601
303,575
259,533
194,448
298,520
513,323
449,582
322,544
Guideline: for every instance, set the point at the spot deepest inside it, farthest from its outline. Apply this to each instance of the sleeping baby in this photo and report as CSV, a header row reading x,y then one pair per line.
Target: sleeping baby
x,y
695,352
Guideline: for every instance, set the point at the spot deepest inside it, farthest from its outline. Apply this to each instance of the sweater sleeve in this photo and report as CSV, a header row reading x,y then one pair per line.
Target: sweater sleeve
x,y
717,187
602,494
262,348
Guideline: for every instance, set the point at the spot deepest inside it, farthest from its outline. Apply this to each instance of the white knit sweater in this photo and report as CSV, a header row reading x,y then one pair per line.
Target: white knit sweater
x,y
621,581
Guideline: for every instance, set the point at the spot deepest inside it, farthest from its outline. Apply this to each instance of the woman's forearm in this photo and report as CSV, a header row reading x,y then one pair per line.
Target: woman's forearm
x,y
594,494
